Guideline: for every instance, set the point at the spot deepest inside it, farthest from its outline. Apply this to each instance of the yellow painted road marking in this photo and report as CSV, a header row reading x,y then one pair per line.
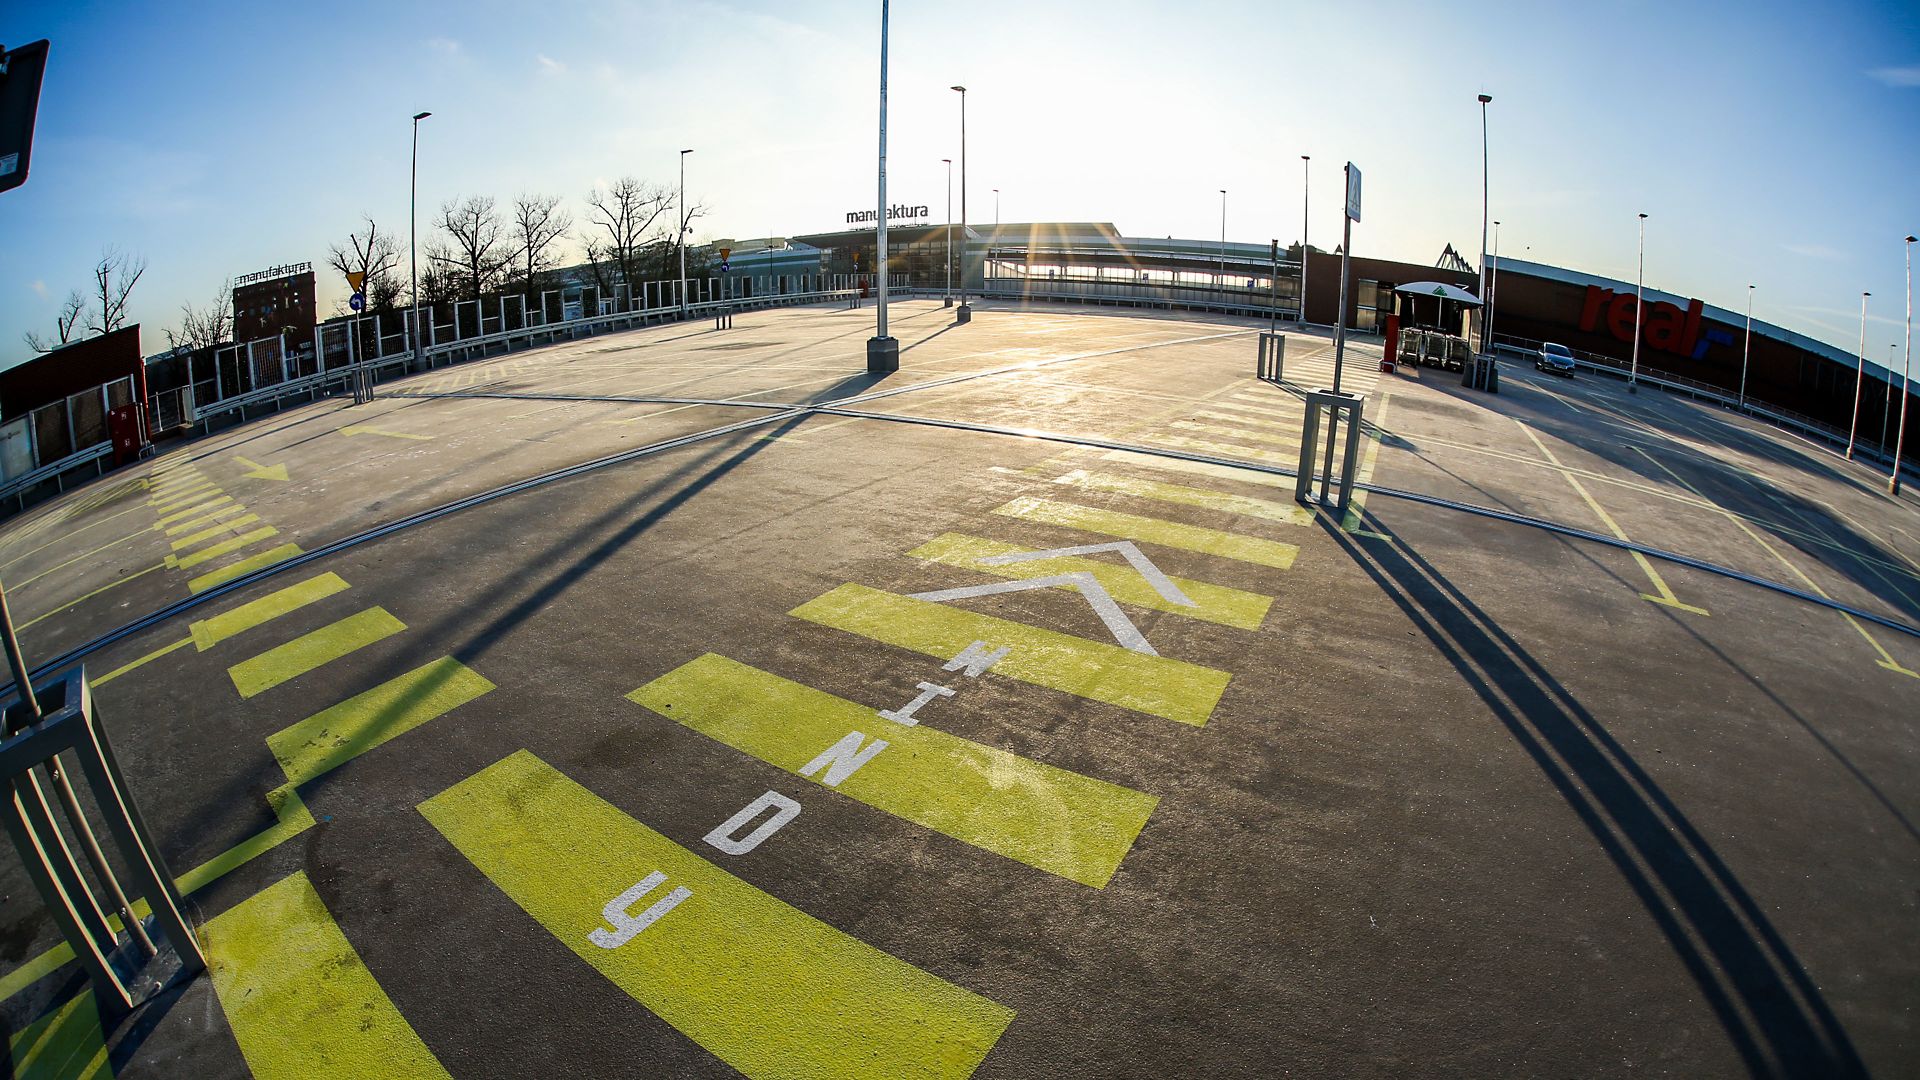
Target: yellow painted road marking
x,y
214,530
1666,595
1212,603
62,539
1050,819
1225,450
1198,468
175,500
1155,685
192,510
212,631
763,986
1886,659
196,523
284,663
65,1044
262,472
75,559
1291,410
337,735
243,567
363,429
1171,534
176,480
1290,428
1265,438
214,551
298,997
69,605
1265,509
150,657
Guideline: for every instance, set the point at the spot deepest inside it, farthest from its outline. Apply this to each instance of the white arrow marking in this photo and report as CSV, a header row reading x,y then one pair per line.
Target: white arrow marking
x,y
1118,624
1134,556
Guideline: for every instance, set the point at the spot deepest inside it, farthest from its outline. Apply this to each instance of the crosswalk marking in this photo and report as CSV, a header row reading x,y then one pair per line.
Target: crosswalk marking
x,y
192,510
1054,820
300,1000
215,629
1291,428
214,551
763,986
1211,603
172,488
1225,450
213,531
1274,410
243,567
1197,468
317,648
1155,685
174,501
1171,534
337,735
65,1044
1287,513
1229,432
175,530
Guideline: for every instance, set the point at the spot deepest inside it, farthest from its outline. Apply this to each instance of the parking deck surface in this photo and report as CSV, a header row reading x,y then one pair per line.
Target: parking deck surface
x,y
851,746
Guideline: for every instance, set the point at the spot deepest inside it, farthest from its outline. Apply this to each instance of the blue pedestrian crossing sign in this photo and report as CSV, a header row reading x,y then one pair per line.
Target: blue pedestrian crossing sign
x,y
358,301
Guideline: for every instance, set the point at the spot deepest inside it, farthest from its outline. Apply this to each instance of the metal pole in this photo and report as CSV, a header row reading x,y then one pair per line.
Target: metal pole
x,y
413,244
1886,398
1859,377
1906,372
21,680
681,239
1306,190
1484,99
949,296
1493,287
1340,314
965,312
880,243
1273,311
1219,278
1746,349
1639,285
996,213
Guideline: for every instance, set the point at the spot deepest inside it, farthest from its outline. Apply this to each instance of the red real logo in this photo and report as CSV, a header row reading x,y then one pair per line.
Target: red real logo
x,y
1664,326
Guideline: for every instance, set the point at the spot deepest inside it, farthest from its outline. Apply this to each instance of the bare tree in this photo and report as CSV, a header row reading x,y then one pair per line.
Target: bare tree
x,y
114,277
539,224
201,328
371,253
437,285
623,219
478,251
65,324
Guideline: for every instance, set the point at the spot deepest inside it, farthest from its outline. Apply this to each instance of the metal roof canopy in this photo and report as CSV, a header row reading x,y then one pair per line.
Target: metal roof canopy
x,y
1441,290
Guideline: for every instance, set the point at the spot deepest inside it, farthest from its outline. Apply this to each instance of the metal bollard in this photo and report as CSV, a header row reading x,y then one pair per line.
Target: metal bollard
x,y
1273,347
1336,488
723,319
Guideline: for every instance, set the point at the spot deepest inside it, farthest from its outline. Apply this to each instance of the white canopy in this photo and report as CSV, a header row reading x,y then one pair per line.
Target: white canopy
x,y
1441,290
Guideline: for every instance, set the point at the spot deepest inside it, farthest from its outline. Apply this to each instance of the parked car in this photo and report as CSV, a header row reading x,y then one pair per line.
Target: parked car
x,y
1555,358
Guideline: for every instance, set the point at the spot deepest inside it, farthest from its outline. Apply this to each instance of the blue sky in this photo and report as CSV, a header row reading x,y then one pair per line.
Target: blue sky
x,y
1771,143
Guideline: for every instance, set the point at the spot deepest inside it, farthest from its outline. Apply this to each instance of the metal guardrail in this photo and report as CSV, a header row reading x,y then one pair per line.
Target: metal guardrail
x,y
18,487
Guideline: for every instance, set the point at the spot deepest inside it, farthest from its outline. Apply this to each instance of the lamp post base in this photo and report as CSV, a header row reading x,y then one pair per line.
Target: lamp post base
x,y
949,302
962,314
1893,485
1633,388
883,355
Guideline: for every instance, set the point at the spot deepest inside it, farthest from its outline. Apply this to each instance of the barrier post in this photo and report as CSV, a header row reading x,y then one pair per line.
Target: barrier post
x,y
1336,485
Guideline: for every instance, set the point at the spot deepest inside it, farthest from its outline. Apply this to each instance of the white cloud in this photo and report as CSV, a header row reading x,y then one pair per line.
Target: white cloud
x,y
1816,251
1898,76
549,65
444,46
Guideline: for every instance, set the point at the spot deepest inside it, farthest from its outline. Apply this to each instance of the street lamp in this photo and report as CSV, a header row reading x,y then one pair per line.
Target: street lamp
x,y
1639,291
413,247
949,162
681,241
1306,184
1484,99
1219,278
996,211
963,313
1859,376
883,352
1906,372
1746,349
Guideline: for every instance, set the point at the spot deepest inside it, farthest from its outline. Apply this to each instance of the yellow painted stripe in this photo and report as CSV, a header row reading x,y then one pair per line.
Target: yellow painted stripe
x,y
291,818
1224,450
1050,819
1153,531
1292,428
213,531
1155,685
75,559
177,480
763,986
337,735
1212,603
1263,437
214,551
143,661
192,510
212,631
243,567
1286,513
1198,468
299,999
195,523
65,1044
174,500
284,663
68,605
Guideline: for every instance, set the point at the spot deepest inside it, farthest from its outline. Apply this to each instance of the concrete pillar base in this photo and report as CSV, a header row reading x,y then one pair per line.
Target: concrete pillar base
x,y
962,314
883,355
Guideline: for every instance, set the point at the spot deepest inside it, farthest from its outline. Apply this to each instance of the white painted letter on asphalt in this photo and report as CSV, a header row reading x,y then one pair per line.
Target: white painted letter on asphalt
x,y
625,926
784,810
843,758
975,659
904,714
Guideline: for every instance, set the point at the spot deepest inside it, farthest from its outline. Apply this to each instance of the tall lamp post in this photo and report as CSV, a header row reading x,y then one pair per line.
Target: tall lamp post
x,y
1493,285
1746,349
1219,278
1639,291
963,313
1306,186
1906,372
413,246
1484,99
949,297
681,240
1859,377
883,352
996,210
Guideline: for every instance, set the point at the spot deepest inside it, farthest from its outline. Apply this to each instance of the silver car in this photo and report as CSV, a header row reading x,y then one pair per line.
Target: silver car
x,y
1555,358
